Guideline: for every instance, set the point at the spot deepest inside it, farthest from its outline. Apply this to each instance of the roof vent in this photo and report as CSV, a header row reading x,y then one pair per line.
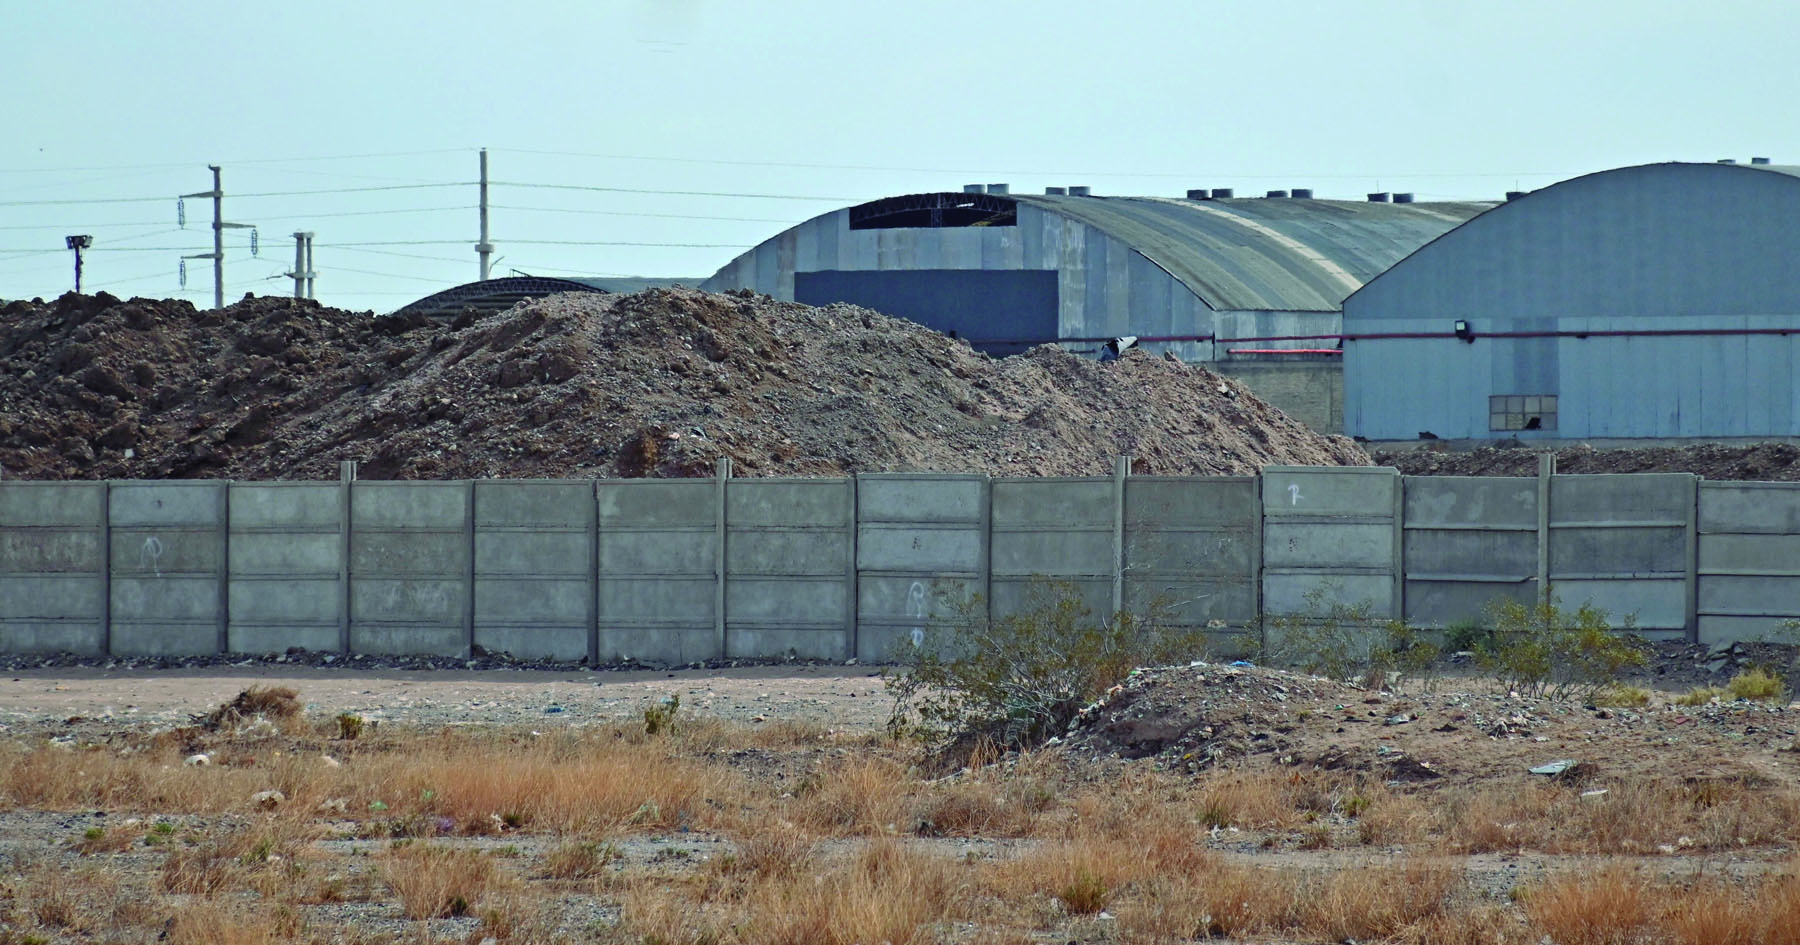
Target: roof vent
x,y
1726,161
1302,193
1197,194
1403,198
1378,198
974,189
1055,191
1759,160
1080,190
1514,194
1221,193
1276,193
996,188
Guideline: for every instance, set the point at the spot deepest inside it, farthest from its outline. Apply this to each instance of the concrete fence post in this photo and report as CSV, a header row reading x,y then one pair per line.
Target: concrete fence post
x,y
105,570
593,573
1692,561
852,628
1121,472
1546,471
346,481
222,503
468,602
721,477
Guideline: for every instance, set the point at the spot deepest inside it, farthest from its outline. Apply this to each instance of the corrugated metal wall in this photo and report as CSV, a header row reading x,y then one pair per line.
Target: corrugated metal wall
x,y
1671,246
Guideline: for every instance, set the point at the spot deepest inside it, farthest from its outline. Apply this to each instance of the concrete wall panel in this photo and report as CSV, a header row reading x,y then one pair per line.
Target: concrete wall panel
x,y
1332,533
285,567
1749,560
657,596
921,548
411,568
168,567
53,594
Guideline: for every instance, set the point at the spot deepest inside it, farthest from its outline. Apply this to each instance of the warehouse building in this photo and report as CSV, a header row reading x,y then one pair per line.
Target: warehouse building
x,y
1653,301
1209,278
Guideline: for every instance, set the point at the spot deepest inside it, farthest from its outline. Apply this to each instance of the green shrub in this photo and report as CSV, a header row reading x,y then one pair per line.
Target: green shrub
x,y
1543,649
1022,678
1756,684
1345,641
1468,636
350,727
661,717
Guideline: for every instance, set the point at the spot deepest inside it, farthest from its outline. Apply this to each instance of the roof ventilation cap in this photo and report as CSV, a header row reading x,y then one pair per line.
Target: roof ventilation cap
x,y
1759,160
1514,194
1276,193
1726,161
1378,198
974,189
1302,193
1080,190
1197,194
996,188
1221,193
1055,191
1403,198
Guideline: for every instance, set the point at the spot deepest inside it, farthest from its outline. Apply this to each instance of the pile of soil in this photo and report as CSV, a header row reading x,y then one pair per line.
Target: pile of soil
x,y
1770,462
656,384
1461,731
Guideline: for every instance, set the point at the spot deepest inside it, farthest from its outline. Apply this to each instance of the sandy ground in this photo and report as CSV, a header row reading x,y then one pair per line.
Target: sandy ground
x,y
841,697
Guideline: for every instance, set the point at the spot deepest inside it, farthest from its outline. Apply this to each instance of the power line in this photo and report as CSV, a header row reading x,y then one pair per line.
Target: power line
x,y
547,243
631,213
272,193
134,167
674,193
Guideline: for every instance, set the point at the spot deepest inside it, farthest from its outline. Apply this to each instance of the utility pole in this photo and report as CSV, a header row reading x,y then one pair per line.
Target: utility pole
x,y
303,269
484,248
219,226
78,243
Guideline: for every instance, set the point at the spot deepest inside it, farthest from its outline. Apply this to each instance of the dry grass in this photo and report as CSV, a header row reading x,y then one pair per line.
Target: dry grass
x,y
279,704
435,881
1757,684
833,840
1699,696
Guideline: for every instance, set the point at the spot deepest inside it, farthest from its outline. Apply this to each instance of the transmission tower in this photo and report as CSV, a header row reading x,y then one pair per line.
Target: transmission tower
x,y
219,227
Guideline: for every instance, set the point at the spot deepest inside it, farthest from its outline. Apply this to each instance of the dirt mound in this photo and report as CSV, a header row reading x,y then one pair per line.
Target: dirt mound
x,y
661,383
1208,715
1761,461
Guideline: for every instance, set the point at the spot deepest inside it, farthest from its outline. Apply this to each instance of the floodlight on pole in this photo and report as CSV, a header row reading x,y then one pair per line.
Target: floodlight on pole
x,y
78,243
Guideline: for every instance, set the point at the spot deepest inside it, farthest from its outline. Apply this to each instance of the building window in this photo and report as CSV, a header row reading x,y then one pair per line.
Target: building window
x,y
1509,412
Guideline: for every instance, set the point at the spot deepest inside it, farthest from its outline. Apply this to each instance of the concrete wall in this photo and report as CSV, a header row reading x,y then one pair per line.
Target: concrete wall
x,y
1749,559
678,571
1311,392
53,567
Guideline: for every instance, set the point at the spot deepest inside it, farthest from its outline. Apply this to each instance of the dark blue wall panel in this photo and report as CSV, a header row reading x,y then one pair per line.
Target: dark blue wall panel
x,y
1000,311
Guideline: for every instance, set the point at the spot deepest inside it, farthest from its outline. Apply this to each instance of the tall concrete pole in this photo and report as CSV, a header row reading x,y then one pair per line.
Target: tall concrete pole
x,y
299,273
484,248
311,274
218,196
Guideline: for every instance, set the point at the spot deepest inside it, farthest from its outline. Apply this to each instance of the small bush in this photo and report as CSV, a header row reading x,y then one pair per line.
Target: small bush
x,y
275,703
1085,893
350,727
1757,685
1619,696
1543,649
1019,679
1700,695
660,718
581,860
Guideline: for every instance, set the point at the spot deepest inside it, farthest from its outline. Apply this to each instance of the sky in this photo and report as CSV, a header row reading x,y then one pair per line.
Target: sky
x,y
665,137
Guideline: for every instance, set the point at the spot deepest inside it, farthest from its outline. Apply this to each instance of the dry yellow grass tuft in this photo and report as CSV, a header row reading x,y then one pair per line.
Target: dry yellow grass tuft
x,y
435,881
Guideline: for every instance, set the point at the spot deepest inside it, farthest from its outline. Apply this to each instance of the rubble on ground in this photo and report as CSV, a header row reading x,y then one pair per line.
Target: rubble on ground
x,y
661,383
1768,462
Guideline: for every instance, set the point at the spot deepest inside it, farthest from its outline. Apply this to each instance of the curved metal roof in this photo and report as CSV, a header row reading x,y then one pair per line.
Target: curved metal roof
x,y
493,295
1536,198
1275,254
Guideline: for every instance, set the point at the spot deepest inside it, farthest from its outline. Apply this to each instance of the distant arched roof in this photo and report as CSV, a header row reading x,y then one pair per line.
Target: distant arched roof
x,y
493,295
1647,182
1265,253
1234,254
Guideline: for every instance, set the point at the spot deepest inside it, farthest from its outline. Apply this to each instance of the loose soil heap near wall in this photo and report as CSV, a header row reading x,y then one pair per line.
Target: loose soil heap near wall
x,y
1760,461
661,383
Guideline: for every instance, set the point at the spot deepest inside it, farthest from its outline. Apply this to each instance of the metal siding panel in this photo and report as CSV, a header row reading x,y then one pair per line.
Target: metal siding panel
x,y
1071,279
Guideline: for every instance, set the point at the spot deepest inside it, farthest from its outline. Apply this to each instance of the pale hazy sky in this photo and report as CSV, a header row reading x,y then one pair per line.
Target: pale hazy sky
x,y
114,108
